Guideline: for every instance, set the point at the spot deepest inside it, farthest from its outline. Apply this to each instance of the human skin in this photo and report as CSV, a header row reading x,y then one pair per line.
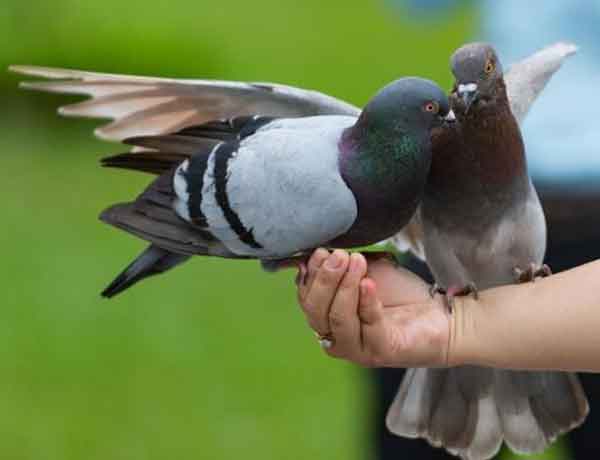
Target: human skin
x,y
380,315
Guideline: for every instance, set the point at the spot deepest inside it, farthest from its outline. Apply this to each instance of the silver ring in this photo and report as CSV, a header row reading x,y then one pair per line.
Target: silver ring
x,y
325,340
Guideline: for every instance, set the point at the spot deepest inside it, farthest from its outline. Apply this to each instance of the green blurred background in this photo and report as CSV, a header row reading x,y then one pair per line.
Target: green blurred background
x,y
213,360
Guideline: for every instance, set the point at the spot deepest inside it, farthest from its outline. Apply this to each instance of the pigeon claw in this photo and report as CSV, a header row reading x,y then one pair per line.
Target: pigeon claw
x,y
436,289
454,291
532,272
374,256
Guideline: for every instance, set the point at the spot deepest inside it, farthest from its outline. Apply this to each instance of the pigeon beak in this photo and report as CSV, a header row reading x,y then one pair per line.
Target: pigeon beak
x,y
450,117
468,93
443,120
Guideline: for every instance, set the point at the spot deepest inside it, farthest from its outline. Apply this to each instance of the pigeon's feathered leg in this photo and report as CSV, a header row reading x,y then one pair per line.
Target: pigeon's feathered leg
x,y
273,265
454,291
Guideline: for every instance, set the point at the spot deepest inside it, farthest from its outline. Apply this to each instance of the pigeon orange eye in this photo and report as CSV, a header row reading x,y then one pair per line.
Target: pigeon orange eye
x,y
489,67
432,107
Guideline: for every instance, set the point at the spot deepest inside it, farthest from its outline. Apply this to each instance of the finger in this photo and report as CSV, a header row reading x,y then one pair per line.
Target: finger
x,y
370,311
370,308
323,289
343,316
314,264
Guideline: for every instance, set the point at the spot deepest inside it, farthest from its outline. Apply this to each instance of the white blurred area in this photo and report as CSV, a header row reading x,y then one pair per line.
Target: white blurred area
x,y
562,132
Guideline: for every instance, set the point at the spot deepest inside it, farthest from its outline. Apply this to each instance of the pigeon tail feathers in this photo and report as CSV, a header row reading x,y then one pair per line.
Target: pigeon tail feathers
x,y
470,411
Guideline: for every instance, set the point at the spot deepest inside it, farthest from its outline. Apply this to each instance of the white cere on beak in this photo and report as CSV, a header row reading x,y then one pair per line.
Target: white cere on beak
x,y
467,88
450,117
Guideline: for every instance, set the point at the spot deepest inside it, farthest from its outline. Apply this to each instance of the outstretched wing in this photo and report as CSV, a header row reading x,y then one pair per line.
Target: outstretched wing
x,y
150,106
527,78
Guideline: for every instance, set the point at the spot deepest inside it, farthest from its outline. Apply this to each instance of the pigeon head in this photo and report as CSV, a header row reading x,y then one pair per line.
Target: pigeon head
x,y
406,105
393,131
477,71
395,125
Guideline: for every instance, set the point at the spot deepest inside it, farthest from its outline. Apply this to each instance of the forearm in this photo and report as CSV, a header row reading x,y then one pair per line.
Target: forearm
x,y
553,323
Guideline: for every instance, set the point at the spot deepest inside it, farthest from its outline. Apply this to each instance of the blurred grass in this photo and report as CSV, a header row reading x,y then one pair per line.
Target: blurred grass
x,y
213,360
347,48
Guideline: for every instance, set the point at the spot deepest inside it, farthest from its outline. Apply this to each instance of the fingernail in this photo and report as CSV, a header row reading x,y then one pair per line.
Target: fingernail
x,y
354,259
333,262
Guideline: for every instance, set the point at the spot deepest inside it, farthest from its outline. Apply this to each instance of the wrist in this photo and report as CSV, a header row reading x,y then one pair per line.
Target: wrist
x,y
463,340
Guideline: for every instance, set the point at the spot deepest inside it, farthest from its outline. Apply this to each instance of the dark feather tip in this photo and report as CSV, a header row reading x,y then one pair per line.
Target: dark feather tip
x,y
119,284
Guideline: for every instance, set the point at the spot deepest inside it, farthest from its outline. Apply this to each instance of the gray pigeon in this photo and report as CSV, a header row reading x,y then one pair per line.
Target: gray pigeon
x,y
274,188
483,226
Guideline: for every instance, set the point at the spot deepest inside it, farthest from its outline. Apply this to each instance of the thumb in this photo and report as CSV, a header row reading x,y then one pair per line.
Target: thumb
x,y
374,334
370,309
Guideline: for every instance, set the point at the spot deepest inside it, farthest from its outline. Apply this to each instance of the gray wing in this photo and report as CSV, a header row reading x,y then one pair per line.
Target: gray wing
x,y
525,80
150,106
281,191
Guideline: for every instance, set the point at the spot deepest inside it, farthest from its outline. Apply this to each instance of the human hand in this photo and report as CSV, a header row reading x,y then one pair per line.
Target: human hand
x,y
378,315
